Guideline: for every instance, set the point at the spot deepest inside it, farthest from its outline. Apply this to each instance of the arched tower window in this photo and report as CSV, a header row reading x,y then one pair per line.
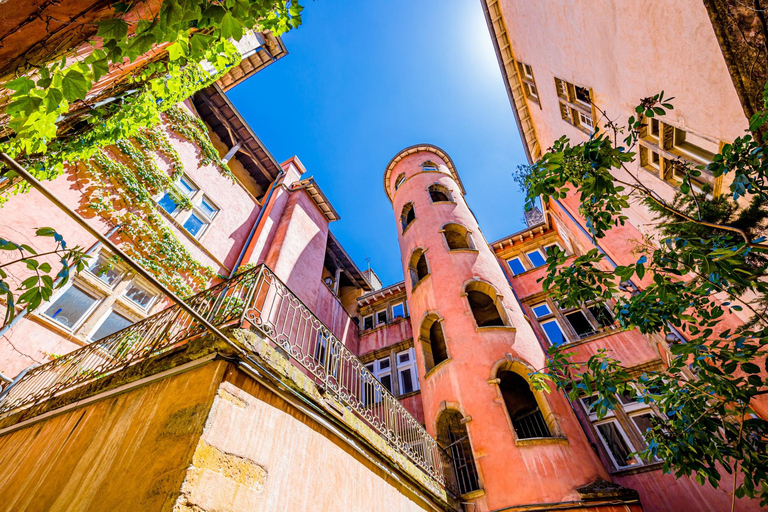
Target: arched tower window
x,y
429,165
407,216
399,181
522,407
485,304
453,439
418,267
439,193
457,237
432,342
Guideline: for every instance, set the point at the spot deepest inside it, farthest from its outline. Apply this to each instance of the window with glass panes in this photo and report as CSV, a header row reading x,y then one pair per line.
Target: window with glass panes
x,y
621,431
529,84
199,217
100,301
516,266
407,375
566,325
575,105
664,149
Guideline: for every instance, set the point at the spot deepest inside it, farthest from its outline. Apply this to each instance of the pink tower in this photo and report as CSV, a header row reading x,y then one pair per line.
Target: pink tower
x,y
509,445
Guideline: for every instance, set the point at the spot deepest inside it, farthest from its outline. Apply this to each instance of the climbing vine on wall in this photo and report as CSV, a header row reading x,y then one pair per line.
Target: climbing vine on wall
x,y
127,176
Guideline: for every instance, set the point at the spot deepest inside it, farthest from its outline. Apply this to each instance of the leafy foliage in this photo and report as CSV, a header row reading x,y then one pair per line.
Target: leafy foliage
x,y
705,261
40,286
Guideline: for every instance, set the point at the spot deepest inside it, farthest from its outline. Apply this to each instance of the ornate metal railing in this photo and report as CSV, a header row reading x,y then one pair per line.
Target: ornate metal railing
x,y
258,300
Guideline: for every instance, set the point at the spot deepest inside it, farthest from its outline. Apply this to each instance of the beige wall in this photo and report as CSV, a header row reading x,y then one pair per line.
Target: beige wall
x,y
625,51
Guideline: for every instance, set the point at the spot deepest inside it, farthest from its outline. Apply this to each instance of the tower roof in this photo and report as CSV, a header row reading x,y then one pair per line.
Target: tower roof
x,y
417,148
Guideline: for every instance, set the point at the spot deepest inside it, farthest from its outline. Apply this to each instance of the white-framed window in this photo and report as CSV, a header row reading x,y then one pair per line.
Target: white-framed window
x,y
367,322
516,265
72,307
566,325
200,217
617,445
140,295
184,187
381,317
398,310
622,435
407,374
536,258
105,271
100,301
382,370
541,310
111,323
585,120
400,180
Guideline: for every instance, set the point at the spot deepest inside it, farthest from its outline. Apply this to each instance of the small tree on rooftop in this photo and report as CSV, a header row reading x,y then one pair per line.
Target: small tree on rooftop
x,y
706,260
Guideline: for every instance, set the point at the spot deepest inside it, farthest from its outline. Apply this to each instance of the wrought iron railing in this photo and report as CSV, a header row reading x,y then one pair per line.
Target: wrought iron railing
x,y
258,300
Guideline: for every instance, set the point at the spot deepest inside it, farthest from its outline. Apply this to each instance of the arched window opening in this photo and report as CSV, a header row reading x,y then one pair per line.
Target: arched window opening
x,y
407,216
454,443
433,342
457,237
439,193
417,266
399,181
429,166
522,407
485,305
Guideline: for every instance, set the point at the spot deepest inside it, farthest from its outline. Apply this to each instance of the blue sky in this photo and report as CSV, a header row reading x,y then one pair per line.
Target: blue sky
x,y
363,80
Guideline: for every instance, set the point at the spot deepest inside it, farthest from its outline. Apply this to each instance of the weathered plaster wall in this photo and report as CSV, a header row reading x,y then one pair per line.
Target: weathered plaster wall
x,y
126,452
384,336
259,453
331,312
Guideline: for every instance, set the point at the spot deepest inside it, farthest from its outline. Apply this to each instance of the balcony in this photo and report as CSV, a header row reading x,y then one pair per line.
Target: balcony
x,y
287,335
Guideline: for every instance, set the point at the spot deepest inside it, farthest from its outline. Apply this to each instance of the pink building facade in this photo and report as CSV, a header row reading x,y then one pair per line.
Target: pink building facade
x,y
456,339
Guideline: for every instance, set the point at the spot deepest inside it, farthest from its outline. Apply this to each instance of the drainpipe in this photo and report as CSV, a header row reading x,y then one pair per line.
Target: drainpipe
x,y
24,311
256,223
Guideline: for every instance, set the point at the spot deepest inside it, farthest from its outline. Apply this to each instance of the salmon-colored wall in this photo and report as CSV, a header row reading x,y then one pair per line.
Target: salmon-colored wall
x,y
384,336
331,312
27,341
546,472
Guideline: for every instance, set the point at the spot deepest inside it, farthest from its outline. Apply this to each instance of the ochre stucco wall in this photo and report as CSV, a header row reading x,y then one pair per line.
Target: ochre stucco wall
x,y
127,452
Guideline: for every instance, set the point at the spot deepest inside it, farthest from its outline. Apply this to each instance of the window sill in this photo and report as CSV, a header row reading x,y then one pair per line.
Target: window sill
x,y
639,468
472,495
409,226
435,368
408,395
593,337
413,289
497,328
443,202
539,441
475,251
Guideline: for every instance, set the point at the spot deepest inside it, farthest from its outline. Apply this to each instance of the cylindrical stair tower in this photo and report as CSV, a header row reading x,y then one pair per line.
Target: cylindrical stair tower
x,y
511,445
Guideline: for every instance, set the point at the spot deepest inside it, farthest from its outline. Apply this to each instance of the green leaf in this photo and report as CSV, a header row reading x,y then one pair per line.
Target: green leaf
x,y
171,13
74,85
115,28
53,99
21,85
231,28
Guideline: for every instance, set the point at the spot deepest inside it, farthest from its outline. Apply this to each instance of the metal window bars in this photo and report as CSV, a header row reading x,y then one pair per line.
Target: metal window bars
x,y
258,300
531,425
